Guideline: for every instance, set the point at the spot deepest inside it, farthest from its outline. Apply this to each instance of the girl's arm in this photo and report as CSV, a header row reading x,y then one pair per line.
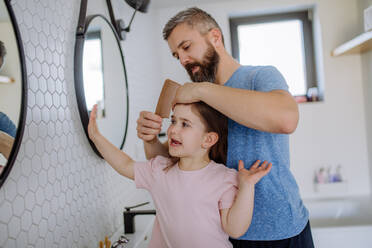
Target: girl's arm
x,y
118,160
237,219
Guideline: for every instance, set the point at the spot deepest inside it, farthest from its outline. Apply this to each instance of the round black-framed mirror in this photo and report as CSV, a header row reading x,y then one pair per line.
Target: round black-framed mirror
x,y
100,72
13,90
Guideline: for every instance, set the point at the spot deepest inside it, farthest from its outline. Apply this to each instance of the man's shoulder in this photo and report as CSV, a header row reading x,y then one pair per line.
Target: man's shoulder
x,y
259,70
248,73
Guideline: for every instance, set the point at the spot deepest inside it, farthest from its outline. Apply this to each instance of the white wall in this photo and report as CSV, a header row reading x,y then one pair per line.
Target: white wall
x,y
331,132
367,81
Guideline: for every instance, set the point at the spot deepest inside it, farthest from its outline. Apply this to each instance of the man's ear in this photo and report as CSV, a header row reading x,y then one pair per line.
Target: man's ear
x,y
210,139
215,37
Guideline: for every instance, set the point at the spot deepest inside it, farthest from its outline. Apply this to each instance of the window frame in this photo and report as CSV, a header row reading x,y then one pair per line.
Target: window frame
x,y
305,16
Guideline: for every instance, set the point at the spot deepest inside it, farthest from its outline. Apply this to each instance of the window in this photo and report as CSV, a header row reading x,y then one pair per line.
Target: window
x,y
93,71
283,40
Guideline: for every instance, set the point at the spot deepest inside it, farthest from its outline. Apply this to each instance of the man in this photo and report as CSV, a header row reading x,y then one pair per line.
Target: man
x,y
261,113
2,53
8,132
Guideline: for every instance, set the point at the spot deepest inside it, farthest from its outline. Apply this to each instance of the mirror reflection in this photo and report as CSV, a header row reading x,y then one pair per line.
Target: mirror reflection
x,y
10,87
93,71
104,79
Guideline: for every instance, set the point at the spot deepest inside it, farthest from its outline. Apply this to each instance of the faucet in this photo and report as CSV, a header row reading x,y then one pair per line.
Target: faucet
x,y
129,214
121,242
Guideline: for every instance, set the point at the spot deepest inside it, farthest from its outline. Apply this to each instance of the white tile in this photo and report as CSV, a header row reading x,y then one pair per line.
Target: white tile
x,y
33,181
18,206
22,186
51,43
33,131
30,200
30,148
10,243
40,243
22,239
40,147
36,163
26,220
43,128
36,215
5,212
33,234
52,222
36,68
30,51
33,84
51,175
42,176
42,81
48,100
40,196
40,53
53,113
10,190
27,18
36,114
3,234
45,210
45,116
37,23
14,227
26,166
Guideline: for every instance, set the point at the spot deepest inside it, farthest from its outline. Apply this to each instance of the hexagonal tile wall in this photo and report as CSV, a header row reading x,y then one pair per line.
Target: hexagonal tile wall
x,y
59,193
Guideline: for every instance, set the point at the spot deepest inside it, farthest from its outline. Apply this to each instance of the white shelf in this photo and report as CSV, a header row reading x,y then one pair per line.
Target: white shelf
x,y
359,44
6,80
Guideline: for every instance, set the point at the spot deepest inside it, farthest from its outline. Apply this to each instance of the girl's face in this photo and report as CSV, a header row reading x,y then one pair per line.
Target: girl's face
x,y
186,134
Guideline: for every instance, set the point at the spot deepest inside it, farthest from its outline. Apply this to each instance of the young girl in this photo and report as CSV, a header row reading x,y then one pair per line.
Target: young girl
x,y
199,202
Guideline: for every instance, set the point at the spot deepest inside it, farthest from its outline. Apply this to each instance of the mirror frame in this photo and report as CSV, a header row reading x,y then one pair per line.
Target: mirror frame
x,y
78,71
23,107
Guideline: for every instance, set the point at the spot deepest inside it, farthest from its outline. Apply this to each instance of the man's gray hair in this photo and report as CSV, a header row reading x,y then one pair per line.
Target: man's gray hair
x,y
194,17
2,50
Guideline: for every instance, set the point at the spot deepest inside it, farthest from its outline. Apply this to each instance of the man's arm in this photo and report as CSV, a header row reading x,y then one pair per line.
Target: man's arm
x,y
6,144
155,148
275,111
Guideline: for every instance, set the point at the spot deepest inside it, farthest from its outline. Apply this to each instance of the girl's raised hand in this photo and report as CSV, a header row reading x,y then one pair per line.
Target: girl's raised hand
x,y
254,174
92,125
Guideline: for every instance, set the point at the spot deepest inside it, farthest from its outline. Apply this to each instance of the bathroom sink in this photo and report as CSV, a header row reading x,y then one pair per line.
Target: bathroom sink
x,y
141,237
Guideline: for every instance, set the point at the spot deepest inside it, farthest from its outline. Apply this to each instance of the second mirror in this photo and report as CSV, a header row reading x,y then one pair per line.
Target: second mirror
x,y
100,78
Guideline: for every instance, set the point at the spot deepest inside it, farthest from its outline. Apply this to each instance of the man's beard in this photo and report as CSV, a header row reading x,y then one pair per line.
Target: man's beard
x,y
207,69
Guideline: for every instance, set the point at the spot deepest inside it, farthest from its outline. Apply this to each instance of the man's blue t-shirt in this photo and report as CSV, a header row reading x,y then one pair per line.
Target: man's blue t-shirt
x,y
278,211
7,126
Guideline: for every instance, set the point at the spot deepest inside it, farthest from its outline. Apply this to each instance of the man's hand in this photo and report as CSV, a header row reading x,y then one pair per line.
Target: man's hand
x,y
148,126
254,174
6,144
187,93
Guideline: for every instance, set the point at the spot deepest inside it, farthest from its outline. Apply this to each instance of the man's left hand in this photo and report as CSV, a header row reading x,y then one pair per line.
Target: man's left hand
x,y
187,93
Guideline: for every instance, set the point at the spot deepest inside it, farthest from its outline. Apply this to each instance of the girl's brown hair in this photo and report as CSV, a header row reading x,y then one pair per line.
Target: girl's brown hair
x,y
213,121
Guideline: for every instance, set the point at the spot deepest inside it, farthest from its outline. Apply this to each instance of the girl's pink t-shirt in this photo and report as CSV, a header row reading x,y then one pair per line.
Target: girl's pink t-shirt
x,y
187,203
